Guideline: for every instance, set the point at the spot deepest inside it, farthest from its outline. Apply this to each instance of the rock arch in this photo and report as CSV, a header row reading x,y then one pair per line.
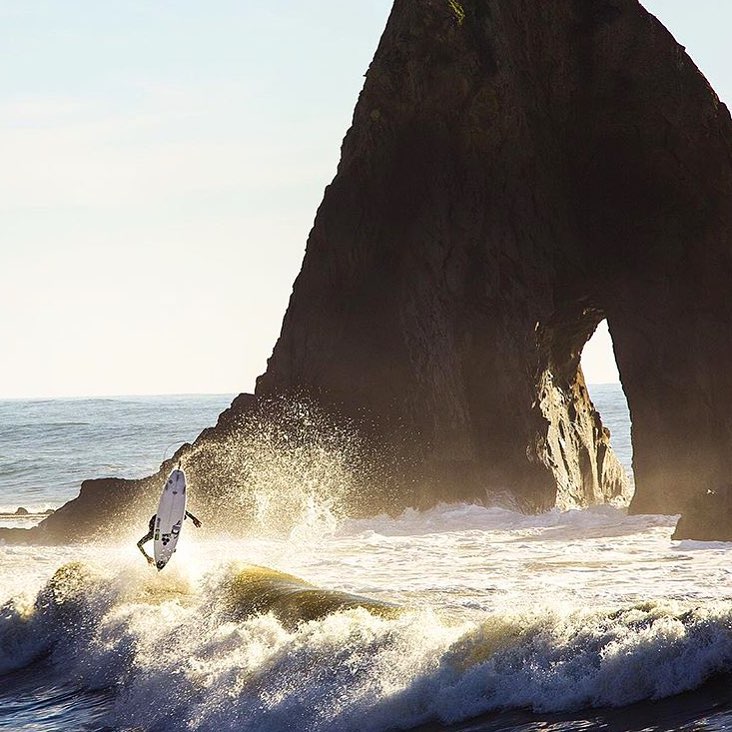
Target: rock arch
x,y
515,172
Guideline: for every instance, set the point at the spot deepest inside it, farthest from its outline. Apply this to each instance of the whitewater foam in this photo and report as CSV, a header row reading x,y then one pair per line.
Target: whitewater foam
x,y
501,610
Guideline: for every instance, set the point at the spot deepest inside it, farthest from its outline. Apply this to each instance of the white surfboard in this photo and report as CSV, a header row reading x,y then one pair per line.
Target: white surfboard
x,y
169,519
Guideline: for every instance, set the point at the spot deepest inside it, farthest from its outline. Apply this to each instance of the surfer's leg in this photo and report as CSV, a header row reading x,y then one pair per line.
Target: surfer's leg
x,y
142,541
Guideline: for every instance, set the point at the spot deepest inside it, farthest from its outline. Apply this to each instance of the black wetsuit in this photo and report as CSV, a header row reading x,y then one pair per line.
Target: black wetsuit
x,y
150,530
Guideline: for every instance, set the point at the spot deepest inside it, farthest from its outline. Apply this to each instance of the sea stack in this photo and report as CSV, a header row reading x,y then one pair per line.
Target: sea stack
x,y
516,172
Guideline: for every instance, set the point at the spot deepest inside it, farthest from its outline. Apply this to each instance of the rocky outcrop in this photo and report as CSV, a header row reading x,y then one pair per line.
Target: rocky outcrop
x,y
516,172
708,516
101,509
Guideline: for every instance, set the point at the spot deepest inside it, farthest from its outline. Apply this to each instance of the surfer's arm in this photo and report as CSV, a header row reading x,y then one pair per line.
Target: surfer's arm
x,y
196,522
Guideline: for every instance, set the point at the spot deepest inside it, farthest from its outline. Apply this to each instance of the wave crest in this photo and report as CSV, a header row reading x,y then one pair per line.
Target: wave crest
x,y
252,647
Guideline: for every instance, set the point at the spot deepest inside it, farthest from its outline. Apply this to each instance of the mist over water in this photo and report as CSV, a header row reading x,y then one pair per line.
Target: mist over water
x,y
288,468
539,622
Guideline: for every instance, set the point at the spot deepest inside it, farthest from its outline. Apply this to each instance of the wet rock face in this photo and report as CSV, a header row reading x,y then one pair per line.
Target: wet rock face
x,y
577,449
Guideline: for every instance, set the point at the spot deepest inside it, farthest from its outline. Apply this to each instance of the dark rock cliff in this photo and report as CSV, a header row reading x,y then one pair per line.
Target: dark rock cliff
x,y
708,517
516,172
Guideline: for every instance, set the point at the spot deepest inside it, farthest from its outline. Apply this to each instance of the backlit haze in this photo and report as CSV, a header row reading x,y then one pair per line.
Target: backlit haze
x,y
162,165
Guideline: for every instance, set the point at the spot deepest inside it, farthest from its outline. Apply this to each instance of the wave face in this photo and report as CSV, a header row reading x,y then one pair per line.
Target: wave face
x,y
433,618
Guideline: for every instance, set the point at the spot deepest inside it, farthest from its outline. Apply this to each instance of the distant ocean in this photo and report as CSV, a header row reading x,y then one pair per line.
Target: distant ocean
x,y
494,620
48,446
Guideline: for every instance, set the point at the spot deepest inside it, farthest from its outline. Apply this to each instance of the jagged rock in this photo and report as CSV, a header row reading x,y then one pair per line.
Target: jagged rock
x,y
516,172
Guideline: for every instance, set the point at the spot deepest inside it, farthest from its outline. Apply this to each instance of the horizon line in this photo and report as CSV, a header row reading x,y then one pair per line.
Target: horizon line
x,y
137,395
70,397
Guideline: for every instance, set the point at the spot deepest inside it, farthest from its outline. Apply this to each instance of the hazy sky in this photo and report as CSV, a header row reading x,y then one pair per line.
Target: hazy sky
x,y
162,164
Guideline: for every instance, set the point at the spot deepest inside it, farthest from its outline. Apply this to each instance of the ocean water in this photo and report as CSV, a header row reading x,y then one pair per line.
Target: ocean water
x,y
48,446
477,618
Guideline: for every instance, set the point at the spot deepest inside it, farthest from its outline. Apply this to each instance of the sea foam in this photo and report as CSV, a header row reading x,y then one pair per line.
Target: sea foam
x,y
176,655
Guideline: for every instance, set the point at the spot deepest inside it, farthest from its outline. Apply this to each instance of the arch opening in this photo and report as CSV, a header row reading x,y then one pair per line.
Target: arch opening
x,y
575,441
605,389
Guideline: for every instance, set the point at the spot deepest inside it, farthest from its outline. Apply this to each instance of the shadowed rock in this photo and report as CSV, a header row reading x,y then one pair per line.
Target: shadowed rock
x,y
516,172
708,517
103,507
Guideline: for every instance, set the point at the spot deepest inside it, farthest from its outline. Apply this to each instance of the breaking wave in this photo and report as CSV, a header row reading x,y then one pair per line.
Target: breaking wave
x,y
293,474
247,647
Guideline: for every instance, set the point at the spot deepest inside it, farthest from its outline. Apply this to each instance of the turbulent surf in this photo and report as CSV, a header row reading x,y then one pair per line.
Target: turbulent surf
x,y
462,617
429,618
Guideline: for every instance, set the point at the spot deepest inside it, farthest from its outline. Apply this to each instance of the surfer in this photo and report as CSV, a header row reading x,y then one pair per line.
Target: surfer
x,y
151,532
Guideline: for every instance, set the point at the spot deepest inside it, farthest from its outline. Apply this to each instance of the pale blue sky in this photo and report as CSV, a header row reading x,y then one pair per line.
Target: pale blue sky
x,y
162,164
